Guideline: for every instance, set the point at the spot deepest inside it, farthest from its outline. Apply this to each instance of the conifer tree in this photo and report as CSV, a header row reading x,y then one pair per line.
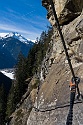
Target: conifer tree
x,y
2,104
11,101
20,75
18,86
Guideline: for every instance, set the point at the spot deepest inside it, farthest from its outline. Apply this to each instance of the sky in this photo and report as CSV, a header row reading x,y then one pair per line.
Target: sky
x,y
27,17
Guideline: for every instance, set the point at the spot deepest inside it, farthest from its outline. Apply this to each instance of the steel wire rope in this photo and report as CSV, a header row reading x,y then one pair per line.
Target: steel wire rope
x,y
63,42
54,107
72,95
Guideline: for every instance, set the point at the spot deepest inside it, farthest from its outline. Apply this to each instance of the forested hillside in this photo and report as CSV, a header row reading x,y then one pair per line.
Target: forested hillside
x,y
25,68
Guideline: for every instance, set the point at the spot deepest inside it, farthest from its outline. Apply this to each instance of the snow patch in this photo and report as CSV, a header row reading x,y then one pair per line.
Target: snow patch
x,y
16,36
3,45
31,40
8,73
3,34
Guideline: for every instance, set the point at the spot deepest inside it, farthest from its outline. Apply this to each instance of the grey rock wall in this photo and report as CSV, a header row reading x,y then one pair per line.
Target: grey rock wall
x,y
55,88
57,117
66,10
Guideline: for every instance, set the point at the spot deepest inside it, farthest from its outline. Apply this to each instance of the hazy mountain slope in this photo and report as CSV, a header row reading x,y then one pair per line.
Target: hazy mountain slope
x,y
6,59
8,72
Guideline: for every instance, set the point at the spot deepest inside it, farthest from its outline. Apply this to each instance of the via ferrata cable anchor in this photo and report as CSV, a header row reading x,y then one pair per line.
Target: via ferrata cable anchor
x,y
79,97
75,82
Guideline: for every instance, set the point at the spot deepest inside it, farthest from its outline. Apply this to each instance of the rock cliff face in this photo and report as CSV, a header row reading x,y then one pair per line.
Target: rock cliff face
x,y
67,10
55,73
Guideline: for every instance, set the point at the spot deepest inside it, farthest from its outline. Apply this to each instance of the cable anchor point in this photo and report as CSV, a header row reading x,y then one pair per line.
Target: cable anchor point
x,y
74,84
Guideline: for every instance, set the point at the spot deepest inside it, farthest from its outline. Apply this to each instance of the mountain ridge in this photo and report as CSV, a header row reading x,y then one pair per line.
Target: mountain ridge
x,y
14,35
11,45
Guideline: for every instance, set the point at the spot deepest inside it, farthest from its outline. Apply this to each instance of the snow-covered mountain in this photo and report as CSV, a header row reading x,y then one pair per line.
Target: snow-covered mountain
x,y
11,44
14,35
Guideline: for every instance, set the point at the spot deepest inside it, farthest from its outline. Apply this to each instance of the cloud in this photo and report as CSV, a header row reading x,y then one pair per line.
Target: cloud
x,y
28,23
25,32
36,22
25,20
29,27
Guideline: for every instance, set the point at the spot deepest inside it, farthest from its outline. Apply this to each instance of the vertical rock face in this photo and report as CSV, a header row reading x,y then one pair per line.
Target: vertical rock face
x,y
54,91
